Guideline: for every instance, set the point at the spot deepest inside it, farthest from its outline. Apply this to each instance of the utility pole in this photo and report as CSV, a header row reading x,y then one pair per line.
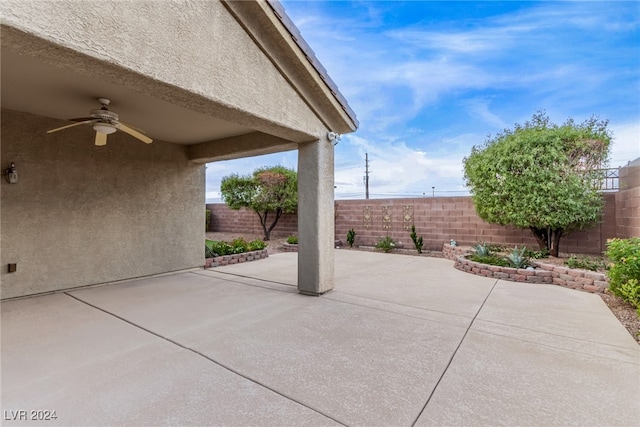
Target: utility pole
x,y
366,175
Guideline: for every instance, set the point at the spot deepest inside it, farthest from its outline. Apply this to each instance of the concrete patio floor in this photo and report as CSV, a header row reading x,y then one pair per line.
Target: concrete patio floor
x,y
401,341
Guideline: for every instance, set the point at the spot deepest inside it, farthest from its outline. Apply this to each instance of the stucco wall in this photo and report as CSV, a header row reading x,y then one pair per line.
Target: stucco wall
x,y
189,53
82,214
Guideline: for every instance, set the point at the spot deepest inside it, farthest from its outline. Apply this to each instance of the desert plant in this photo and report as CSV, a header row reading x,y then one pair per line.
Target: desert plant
x,y
417,241
351,237
624,273
518,258
292,240
482,250
209,253
585,263
385,244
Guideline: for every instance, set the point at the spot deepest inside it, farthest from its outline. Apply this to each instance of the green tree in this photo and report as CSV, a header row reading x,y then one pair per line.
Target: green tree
x,y
541,176
270,190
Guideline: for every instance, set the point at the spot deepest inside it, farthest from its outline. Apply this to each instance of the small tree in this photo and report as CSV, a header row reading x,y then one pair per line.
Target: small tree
x,y
269,190
541,176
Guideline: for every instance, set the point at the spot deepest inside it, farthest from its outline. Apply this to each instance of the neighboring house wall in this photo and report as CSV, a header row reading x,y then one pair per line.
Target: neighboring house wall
x,y
82,215
628,201
438,220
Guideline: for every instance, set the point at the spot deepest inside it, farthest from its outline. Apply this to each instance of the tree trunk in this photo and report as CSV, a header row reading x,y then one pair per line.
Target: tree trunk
x,y
263,221
548,238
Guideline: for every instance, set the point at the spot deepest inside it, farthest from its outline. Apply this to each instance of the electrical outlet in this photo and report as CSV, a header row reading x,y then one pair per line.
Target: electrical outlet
x,y
13,268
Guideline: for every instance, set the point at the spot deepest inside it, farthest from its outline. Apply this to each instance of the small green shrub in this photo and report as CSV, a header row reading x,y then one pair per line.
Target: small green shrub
x,y
537,254
518,258
624,273
385,244
292,240
482,250
585,263
215,248
490,260
239,245
351,237
417,241
256,245
218,248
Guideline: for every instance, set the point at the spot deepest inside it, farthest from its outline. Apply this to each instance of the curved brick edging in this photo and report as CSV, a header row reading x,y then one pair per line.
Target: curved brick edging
x,y
582,280
236,258
290,247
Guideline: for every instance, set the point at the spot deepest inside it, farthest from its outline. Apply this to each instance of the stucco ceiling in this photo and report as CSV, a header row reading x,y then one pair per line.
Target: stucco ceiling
x,y
35,87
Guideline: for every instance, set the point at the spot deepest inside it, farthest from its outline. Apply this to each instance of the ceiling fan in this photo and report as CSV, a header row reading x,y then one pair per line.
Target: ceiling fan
x,y
105,122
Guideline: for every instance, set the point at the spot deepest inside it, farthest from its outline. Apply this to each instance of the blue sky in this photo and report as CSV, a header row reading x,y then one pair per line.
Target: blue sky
x,y
428,80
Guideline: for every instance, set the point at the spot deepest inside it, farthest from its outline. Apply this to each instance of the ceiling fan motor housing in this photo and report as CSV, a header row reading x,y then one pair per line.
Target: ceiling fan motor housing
x,y
105,115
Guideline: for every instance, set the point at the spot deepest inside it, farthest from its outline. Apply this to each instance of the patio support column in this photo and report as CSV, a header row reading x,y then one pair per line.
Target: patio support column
x,y
315,217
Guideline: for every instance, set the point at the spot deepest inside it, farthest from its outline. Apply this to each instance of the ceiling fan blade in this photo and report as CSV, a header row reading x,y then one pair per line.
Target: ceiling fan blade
x,y
81,119
101,139
70,126
134,133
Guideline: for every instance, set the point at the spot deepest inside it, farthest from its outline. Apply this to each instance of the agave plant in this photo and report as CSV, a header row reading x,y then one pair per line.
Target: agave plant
x,y
517,257
482,250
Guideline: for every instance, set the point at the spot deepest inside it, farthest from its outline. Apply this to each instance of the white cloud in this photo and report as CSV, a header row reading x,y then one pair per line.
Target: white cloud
x,y
399,170
626,143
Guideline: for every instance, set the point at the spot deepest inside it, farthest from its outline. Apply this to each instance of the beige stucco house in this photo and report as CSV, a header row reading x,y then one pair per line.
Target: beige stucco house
x,y
206,80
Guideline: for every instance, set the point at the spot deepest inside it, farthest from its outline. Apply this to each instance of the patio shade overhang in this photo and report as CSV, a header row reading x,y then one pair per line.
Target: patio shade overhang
x,y
194,78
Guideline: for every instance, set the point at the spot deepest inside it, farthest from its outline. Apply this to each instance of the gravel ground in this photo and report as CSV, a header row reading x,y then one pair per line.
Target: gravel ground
x,y
623,311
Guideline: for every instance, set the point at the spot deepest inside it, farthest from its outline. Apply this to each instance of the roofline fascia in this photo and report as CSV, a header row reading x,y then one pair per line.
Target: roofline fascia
x,y
271,29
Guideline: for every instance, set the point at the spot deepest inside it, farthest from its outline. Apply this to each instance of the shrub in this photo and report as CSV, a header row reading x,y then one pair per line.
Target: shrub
x,y
417,241
490,260
215,248
518,258
385,244
219,248
585,263
292,240
239,245
537,254
624,273
351,237
256,245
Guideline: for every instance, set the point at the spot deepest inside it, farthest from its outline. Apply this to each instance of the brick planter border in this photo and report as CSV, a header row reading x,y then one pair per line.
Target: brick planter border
x,y
236,258
551,274
290,247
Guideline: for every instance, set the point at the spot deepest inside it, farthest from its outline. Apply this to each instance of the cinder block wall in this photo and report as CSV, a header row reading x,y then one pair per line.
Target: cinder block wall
x,y
246,221
437,220
441,219
627,201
